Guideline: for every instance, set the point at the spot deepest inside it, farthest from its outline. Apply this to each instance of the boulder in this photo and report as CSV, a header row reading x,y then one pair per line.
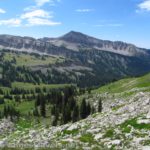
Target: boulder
x,y
148,115
115,142
73,127
98,136
145,121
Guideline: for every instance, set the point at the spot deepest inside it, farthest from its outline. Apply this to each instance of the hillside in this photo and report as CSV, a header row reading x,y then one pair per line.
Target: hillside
x,y
49,96
76,58
129,85
122,124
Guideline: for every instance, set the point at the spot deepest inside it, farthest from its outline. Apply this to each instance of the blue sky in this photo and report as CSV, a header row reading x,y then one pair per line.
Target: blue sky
x,y
123,20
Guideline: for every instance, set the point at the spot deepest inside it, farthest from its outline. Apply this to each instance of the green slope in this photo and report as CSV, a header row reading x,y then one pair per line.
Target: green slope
x,y
127,85
22,59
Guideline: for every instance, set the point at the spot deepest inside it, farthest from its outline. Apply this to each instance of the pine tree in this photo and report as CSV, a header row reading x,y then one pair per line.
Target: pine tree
x,y
1,115
54,122
36,112
66,114
100,106
88,109
83,109
42,106
5,111
56,117
75,114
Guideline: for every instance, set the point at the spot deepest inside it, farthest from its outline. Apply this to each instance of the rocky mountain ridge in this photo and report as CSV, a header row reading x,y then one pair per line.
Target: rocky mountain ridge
x,y
74,41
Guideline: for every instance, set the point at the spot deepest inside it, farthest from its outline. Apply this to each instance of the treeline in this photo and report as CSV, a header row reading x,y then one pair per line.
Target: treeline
x,y
11,72
9,111
64,106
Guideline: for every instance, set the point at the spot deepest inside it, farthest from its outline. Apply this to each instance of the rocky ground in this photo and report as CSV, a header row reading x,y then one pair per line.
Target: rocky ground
x,y
123,124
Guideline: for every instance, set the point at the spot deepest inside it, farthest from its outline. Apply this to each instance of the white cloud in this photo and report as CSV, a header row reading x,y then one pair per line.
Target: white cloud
x,y
41,21
2,11
40,3
84,10
115,25
11,22
39,17
36,13
145,5
109,25
43,2
32,16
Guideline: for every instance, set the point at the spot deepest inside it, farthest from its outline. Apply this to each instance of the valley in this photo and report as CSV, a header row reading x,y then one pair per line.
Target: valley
x,y
73,92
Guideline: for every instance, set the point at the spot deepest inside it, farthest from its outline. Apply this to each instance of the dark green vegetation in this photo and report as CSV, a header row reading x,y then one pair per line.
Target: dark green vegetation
x,y
56,104
133,123
36,95
86,67
41,86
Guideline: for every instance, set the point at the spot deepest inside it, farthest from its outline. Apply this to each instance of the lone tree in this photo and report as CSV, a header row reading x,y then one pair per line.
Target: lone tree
x,y
75,114
36,112
83,109
42,106
100,106
88,109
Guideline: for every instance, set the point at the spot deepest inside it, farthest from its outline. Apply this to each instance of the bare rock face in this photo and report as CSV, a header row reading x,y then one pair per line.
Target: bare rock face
x,y
73,40
6,126
81,41
148,115
21,43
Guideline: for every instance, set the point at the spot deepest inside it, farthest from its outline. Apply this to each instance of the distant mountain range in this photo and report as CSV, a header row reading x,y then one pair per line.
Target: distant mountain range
x,y
72,41
105,60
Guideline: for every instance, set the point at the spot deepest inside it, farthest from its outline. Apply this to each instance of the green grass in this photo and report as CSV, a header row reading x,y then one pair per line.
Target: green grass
x,y
17,148
126,129
87,138
133,123
25,106
146,142
109,133
5,89
117,107
72,132
32,60
31,86
125,85
24,124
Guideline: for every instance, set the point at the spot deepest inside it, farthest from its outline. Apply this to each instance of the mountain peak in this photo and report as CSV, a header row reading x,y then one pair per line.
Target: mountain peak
x,y
74,33
74,36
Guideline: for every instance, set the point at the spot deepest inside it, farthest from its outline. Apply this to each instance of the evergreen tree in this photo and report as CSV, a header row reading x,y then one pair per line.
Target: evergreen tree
x,y
83,109
88,109
54,122
56,117
42,106
66,114
93,110
100,106
75,114
5,111
36,112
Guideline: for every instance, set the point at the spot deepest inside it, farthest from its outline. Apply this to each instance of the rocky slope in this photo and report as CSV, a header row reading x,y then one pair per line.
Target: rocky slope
x,y
76,41
72,41
123,124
